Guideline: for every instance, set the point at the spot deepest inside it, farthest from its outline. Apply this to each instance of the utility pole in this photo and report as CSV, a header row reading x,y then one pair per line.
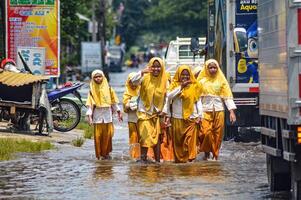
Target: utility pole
x,y
93,22
102,35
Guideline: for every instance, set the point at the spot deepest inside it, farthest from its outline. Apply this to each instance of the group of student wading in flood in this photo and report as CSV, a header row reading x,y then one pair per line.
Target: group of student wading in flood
x,y
171,120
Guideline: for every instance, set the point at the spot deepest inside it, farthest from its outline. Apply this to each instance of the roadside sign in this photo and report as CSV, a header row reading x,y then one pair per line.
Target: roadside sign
x,y
34,58
90,56
33,25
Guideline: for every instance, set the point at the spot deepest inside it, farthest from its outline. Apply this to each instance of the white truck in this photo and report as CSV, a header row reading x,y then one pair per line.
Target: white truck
x,y
279,27
179,53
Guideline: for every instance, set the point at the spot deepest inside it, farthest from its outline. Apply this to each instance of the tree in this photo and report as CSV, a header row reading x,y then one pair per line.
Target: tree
x,y
164,18
178,17
133,20
74,30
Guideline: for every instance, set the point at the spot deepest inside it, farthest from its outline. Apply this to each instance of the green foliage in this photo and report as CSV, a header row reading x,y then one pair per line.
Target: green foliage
x,y
143,21
184,18
74,30
163,20
78,142
8,147
133,20
88,130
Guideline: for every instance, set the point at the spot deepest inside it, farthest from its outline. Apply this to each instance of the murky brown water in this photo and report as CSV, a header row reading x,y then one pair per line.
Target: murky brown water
x,y
74,173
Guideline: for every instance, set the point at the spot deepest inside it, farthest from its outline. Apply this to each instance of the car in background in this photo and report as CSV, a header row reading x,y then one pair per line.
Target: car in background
x,y
115,58
180,52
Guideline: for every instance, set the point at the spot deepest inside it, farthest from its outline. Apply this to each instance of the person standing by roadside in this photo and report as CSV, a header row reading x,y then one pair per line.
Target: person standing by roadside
x,y
216,90
153,82
102,102
184,94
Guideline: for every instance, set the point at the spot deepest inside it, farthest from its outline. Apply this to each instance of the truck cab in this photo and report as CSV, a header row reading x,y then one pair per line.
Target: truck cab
x,y
179,53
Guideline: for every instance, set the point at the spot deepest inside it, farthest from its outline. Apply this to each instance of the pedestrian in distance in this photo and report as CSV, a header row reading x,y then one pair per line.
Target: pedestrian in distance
x,y
102,102
184,94
216,91
153,83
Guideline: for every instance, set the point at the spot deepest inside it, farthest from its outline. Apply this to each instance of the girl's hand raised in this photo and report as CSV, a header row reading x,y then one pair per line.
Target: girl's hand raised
x,y
146,70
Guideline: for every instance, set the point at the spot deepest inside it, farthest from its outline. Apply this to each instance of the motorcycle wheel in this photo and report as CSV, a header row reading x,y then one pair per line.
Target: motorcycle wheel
x,y
66,115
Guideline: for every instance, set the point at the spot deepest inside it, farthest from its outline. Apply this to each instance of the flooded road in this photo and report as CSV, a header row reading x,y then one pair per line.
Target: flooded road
x,y
73,173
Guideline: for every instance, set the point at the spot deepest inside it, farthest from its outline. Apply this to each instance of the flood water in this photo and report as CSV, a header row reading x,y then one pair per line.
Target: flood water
x,y
73,173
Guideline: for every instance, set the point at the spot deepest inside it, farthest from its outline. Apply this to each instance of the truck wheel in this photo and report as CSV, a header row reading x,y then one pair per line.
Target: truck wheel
x,y
278,173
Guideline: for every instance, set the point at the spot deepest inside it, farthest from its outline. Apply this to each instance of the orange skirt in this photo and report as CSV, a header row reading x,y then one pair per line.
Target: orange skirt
x,y
212,132
134,140
103,134
135,151
167,153
184,139
149,131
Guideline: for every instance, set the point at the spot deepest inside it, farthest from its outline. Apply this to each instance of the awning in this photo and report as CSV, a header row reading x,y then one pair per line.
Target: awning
x,y
18,79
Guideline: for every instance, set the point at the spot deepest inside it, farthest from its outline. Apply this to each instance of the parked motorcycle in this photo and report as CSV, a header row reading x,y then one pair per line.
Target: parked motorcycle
x,y
66,113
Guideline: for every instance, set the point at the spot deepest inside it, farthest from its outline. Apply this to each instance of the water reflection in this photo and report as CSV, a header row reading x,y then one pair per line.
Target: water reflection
x,y
103,170
208,171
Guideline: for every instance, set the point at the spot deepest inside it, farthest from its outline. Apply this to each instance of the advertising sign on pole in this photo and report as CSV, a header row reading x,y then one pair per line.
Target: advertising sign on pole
x,y
34,58
91,56
33,28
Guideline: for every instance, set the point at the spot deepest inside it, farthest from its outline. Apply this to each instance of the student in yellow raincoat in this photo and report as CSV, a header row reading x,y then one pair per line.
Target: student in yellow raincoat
x,y
102,102
216,91
130,107
184,94
153,82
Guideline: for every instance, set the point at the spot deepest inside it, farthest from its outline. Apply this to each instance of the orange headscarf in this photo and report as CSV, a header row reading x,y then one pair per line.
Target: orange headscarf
x,y
216,85
190,94
153,88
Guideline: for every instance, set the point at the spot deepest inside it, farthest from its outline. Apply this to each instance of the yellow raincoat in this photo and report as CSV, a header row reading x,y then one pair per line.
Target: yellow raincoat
x,y
185,130
152,92
189,94
213,122
133,129
153,88
100,96
129,92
